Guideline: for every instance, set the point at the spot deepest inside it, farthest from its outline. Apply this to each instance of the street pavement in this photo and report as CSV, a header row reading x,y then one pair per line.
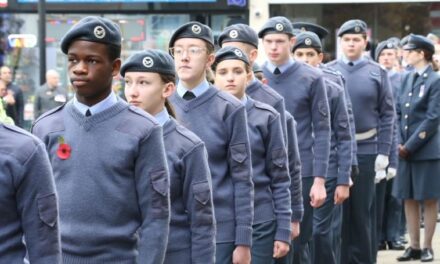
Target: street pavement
x,y
389,256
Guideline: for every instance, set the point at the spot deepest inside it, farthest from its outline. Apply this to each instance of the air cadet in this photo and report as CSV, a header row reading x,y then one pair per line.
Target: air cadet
x,y
389,209
219,119
272,215
304,92
108,158
49,95
245,38
369,89
308,49
29,206
149,80
418,112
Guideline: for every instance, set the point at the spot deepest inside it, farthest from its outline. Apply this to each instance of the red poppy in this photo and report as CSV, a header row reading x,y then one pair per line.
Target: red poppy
x,y
64,149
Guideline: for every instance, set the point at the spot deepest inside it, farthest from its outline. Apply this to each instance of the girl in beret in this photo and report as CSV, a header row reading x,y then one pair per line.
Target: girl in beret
x,y
271,227
149,80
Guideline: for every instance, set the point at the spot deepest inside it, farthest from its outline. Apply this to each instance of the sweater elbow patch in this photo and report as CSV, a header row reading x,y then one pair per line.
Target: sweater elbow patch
x,y
160,202
323,108
279,158
203,209
239,153
47,209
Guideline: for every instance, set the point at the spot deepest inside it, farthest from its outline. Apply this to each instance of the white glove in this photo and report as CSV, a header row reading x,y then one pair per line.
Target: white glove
x,y
381,162
391,173
380,175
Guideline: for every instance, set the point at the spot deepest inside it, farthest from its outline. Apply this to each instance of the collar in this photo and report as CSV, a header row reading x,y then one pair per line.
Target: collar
x,y
283,67
422,70
198,90
108,102
355,62
162,117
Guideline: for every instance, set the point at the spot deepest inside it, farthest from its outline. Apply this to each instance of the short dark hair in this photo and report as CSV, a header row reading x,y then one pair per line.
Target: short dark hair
x,y
114,52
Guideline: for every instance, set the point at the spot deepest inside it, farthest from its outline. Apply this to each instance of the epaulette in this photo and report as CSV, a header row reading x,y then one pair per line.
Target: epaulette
x,y
265,107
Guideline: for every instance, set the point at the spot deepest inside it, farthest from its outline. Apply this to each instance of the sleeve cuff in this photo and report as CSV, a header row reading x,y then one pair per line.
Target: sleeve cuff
x,y
283,235
320,169
243,236
384,149
297,214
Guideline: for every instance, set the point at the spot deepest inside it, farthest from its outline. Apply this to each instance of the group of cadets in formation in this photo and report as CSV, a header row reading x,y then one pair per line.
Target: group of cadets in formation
x,y
291,170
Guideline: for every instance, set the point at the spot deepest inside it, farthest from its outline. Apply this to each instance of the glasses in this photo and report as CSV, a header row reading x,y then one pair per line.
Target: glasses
x,y
191,51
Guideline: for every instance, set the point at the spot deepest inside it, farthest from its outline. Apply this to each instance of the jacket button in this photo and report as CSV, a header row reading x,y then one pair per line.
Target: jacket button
x,y
410,94
406,116
407,105
406,127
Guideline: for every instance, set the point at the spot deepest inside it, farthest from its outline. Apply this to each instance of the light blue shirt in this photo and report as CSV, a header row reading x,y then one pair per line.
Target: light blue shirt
x,y
244,100
355,62
108,102
162,117
422,70
197,91
282,67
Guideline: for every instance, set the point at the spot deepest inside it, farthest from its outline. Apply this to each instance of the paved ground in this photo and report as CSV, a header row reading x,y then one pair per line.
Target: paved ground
x,y
389,257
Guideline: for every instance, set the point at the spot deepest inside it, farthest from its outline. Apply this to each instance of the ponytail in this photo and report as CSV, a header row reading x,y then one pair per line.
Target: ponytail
x,y
170,108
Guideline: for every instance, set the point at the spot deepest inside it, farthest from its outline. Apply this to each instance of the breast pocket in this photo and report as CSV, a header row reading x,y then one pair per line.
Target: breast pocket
x,y
238,153
279,157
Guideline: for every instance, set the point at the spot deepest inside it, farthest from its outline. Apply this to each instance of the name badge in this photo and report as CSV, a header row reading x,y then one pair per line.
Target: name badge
x,y
422,90
60,98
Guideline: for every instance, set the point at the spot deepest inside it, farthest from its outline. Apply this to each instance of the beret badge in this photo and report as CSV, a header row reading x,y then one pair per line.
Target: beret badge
x,y
148,62
279,27
308,41
99,32
238,53
196,29
233,34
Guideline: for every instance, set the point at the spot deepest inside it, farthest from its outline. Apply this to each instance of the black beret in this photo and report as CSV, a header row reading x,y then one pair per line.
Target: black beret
x,y
192,29
94,29
354,26
151,60
419,42
387,44
276,24
238,33
256,68
317,29
307,40
230,53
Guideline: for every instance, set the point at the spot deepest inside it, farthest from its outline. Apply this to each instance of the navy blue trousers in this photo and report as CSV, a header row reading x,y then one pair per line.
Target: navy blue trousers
x,y
360,215
323,250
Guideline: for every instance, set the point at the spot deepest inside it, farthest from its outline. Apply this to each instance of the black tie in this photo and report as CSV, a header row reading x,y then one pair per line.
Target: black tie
x,y
276,71
88,113
350,63
189,96
416,76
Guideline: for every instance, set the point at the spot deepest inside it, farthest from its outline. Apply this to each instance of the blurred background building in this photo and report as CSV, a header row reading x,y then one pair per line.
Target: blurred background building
x,y
150,23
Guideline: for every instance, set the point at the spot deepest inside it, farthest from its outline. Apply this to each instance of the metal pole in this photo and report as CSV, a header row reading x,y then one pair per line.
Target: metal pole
x,y
42,39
